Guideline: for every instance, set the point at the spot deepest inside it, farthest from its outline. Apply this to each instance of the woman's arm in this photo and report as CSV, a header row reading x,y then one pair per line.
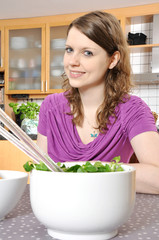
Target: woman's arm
x,y
42,142
146,148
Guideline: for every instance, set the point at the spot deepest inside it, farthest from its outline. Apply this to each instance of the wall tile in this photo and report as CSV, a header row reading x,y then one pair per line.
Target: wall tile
x,y
136,69
144,92
152,92
149,94
152,101
136,60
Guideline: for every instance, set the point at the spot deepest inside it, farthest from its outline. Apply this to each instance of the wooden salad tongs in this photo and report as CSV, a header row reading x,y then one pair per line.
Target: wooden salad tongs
x,y
21,140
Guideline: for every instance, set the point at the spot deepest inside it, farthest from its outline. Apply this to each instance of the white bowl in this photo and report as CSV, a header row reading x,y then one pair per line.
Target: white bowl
x,y
58,43
12,186
19,42
83,206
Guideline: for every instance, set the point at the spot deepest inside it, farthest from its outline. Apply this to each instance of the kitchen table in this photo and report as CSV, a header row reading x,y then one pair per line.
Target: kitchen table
x,y
21,224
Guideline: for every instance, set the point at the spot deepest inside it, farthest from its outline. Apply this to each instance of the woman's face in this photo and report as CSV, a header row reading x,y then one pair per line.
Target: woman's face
x,y
85,62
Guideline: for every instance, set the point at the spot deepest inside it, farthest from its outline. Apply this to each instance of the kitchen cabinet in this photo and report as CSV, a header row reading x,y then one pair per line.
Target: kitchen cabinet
x,y
34,58
25,51
55,47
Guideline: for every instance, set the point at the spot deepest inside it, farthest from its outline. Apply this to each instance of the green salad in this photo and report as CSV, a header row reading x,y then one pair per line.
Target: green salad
x,y
113,166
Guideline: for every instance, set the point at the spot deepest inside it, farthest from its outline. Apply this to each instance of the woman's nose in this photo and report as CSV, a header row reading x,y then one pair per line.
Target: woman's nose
x,y
74,59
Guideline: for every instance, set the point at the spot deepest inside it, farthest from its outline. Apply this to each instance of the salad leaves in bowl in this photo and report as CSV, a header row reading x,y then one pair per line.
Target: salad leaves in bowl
x,y
98,166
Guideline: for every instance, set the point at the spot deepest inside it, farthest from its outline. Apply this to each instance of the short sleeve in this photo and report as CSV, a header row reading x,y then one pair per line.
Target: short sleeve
x,y
137,117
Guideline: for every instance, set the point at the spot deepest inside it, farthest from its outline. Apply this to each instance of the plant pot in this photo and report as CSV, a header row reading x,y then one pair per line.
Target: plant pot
x,y
29,126
18,120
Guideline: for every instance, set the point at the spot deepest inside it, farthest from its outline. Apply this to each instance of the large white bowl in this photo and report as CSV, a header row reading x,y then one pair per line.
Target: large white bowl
x,y
12,186
83,206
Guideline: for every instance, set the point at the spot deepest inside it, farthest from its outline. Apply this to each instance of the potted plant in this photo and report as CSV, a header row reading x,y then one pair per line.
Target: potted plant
x,y
29,110
26,116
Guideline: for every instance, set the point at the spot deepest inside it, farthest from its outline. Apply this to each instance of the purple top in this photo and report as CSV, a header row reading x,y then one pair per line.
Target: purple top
x,y
64,143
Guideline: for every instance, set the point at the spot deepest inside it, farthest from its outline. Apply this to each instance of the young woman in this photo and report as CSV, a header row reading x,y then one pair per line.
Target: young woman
x,y
97,118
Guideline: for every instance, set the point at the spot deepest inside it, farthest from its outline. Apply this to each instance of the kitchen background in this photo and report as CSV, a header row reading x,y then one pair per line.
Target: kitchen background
x,y
141,62
144,61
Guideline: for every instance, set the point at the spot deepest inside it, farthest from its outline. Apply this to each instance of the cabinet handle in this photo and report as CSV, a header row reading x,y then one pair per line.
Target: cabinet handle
x,y
46,86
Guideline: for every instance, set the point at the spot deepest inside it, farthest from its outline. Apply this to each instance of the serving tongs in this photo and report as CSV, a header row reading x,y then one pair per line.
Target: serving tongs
x,y
21,140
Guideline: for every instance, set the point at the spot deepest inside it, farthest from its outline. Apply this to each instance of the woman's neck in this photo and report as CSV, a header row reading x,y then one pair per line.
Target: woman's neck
x,y
92,98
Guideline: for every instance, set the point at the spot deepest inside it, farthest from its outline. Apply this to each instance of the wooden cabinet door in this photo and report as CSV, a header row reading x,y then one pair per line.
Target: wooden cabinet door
x,y
55,48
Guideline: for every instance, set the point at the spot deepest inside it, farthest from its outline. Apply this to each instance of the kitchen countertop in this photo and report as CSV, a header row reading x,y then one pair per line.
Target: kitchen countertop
x,y
32,136
142,225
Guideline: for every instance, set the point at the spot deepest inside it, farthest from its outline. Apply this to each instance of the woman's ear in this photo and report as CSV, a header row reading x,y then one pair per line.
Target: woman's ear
x,y
114,59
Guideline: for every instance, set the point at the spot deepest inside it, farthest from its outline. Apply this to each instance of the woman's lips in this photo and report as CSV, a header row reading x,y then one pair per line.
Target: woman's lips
x,y
76,74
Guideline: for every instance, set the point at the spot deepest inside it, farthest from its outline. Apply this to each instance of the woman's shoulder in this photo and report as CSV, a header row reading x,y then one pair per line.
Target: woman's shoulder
x,y
54,100
136,117
55,97
133,102
134,107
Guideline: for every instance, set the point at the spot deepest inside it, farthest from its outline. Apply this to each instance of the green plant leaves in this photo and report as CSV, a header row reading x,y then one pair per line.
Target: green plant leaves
x,y
29,110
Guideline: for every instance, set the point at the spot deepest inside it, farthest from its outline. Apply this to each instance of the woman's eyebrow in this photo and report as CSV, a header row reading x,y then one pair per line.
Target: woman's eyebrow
x,y
83,48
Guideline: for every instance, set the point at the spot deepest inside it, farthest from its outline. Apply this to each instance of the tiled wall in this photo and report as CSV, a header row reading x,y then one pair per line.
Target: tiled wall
x,y
141,62
150,94
140,59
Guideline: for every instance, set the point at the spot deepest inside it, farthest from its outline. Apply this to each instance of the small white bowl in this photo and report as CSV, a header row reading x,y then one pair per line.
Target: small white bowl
x,y
12,186
83,206
58,43
19,42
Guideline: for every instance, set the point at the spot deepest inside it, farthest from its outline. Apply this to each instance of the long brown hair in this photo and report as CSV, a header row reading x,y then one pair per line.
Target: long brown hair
x,y
105,30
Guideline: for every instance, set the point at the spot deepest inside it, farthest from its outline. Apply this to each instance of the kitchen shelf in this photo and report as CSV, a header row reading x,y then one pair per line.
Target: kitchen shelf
x,y
144,46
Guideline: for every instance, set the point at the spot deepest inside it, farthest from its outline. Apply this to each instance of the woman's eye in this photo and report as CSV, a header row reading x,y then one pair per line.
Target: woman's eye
x,y
88,53
68,49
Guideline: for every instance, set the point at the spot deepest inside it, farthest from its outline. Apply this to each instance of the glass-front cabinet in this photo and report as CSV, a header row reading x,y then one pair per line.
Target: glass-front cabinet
x,y
25,53
34,58
56,49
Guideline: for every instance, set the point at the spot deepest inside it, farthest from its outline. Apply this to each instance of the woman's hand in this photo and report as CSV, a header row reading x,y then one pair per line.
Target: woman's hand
x,y
146,148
